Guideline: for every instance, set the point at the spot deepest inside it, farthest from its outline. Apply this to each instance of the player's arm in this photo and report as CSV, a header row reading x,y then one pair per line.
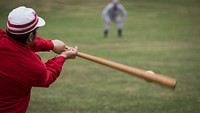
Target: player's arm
x,y
53,68
105,10
123,10
41,44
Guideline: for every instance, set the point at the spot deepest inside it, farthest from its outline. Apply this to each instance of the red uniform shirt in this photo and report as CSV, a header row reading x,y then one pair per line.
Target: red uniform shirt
x,y
21,69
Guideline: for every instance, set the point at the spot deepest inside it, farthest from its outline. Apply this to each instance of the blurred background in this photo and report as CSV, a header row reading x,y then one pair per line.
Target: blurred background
x,y
159,35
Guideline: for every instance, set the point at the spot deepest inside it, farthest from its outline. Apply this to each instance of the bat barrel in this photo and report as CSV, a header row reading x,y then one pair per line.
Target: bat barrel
x,y
159,79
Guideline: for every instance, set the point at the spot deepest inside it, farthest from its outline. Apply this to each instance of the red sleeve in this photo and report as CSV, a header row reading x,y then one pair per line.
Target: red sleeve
x,y
53,70
42,45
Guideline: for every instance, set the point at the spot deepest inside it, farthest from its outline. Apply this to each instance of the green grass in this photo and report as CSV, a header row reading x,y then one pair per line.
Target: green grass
x,y
159,35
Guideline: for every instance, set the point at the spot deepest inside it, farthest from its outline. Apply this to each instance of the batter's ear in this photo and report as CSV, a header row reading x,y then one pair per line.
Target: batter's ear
x,y
30,39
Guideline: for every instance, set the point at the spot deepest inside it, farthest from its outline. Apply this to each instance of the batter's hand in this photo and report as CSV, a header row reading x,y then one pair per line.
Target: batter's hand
x,y
70,52
59,46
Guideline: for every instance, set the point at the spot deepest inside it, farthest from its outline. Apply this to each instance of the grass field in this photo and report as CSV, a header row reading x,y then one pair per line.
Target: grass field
x,y
159,35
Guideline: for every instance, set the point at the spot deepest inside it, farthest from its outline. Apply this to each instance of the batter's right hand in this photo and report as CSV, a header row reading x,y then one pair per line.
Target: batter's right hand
x,y
70,52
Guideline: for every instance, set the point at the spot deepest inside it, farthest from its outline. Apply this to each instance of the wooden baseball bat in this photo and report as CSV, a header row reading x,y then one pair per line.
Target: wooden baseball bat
x,y
159,79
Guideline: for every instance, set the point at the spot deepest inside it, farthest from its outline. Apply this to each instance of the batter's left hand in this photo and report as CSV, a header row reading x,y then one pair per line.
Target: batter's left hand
x,y
59,46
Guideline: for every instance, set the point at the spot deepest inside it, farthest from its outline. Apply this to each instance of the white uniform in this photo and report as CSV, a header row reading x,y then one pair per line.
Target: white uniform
x,y
115,14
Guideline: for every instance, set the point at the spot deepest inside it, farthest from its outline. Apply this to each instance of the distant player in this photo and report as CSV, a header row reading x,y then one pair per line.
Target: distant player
x,y
116,13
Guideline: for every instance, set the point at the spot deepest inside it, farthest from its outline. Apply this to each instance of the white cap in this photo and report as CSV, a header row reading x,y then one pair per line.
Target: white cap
x,y
22,20
115,1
